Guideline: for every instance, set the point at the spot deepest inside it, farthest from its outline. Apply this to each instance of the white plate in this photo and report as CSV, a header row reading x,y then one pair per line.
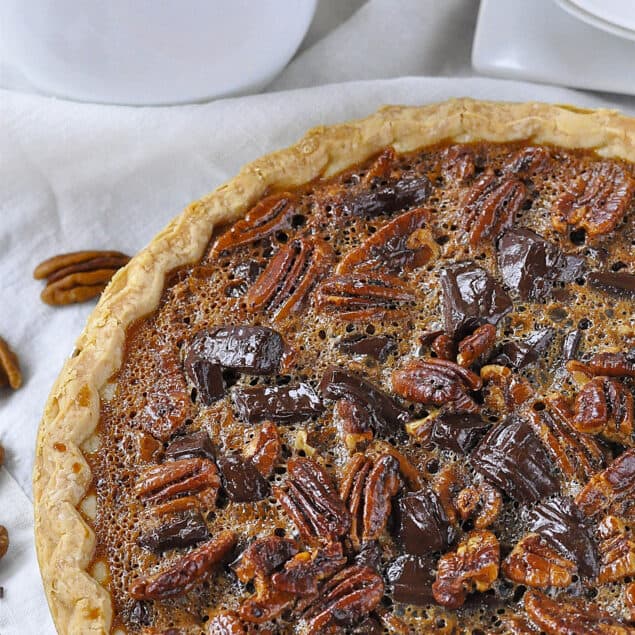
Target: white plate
x,y
577,8
538,41
618,12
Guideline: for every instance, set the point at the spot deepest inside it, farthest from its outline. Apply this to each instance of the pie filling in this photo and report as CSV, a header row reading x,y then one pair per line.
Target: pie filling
x,y
397,400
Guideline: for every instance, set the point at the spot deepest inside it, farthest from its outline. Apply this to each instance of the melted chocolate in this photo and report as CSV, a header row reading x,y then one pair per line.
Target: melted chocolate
x,y
379,346
208,379
458,432
471,298
411,579
619,283
193,445
177,533
241,480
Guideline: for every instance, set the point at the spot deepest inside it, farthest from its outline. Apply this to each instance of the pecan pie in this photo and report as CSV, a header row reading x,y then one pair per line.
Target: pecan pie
x,y
381,381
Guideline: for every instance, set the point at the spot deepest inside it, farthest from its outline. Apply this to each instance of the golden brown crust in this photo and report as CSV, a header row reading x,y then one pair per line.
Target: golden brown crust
x,y
61,477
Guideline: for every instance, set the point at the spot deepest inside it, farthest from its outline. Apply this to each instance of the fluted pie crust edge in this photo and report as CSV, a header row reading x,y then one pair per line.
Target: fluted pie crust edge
x,y
61,476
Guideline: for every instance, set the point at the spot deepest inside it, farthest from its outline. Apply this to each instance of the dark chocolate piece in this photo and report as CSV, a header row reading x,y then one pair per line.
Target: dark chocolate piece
x,y
282,404
197,444
518,355
411,579
242,480
619,283
384,414
530,265
208,379
377,346
559,521
512,457
571,344
421,523
471,298
177,533
458,432
369,555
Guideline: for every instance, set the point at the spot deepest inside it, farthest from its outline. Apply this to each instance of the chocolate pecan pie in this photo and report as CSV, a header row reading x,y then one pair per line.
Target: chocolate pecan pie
x,y
381,381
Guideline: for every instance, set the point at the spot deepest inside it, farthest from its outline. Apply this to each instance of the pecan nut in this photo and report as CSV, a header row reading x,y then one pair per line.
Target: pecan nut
x,y
596,201
402,244
288,278
472,567
535,563
491,204
363,295
312,502
272,214
477,345
264,451
10,374
186,572
347,598
225,624
438,382
617,551
566,614
444,347
529,161
459,163
482,504
78,276
608,364
447,484
504,390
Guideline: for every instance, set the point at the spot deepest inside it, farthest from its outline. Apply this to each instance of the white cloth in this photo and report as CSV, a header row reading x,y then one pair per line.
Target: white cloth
x,y
78,176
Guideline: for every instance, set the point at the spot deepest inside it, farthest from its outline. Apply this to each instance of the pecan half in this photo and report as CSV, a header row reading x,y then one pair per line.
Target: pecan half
x,y
447,484
529,161
610,490
438,382
363,295
283,286
482,503
575,616
10,374
459,163
264,451
472,567
78,276
604,406
367,488
533,562
186,572
225,624
491,204
504,390
187,476
596,201
347,598
312,502
477,345
617,551
273,213
444,347
402,244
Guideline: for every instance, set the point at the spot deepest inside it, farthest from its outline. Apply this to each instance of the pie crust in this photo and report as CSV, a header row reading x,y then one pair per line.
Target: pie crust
x,y
61,477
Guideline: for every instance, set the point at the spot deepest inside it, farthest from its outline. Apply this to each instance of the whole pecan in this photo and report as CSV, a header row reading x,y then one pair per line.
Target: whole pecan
x,y
533,562
272,214
78,276
347,598
283,286
438,382
367,488
596,201
472,567
482,503
363,295
10,374
477,345
491,204
617,551
197,476
186,572
264,451
566,614
312,502
402,244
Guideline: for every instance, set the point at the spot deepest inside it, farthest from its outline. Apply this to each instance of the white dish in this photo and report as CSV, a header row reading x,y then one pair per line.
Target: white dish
x,y
617,12
577,8
151,51
538,41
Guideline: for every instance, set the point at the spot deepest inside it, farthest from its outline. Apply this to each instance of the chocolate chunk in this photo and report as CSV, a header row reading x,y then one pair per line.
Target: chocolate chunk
x,y
241,480
378,346
369,555
518,355
411,579
512,457
208,379
409,191
256,350
384,414
197,444
571,344
620,283
421,524
559,521
177,533
458,432
282,404
471,297
530,265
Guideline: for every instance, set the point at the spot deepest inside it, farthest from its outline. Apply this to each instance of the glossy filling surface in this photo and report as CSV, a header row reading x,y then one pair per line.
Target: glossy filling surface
x,y
398,400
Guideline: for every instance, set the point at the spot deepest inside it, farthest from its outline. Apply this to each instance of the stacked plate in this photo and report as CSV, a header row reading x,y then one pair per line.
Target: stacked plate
x,y
576,43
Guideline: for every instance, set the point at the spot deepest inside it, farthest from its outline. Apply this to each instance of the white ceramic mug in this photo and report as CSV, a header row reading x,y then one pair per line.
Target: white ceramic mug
x,y
151,51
